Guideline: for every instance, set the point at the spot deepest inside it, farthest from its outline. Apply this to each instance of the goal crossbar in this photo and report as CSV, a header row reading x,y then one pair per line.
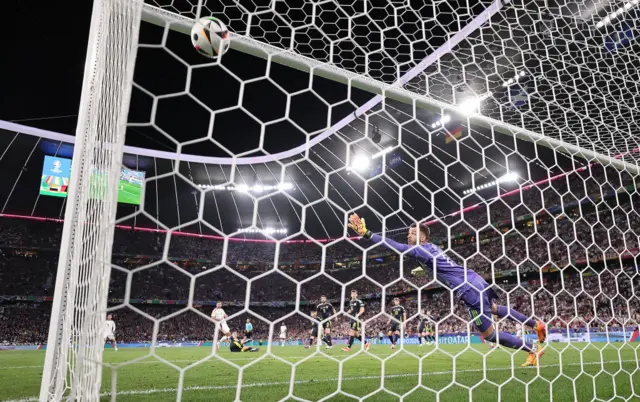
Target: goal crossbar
x,y
182,24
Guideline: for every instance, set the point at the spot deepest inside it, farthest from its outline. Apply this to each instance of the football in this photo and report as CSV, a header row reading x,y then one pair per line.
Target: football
x,y
210,37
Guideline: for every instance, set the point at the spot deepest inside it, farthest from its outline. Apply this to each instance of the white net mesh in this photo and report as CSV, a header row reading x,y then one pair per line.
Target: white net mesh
x,y
505,127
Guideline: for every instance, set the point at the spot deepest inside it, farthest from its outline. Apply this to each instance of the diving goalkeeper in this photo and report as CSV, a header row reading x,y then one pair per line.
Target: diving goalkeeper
x,y
470,287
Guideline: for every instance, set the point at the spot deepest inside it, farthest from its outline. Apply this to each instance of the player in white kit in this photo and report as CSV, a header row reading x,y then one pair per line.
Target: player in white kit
x,y
219,316
518,331
109,331
283,334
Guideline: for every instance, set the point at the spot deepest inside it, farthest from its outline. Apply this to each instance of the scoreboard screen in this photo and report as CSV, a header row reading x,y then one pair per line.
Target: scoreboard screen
x,y
56,173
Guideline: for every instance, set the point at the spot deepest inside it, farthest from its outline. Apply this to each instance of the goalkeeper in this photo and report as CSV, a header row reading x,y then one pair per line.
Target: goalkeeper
x,y
469,287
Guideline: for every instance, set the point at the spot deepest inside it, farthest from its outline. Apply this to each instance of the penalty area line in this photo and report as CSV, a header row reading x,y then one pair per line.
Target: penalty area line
x,y
322,380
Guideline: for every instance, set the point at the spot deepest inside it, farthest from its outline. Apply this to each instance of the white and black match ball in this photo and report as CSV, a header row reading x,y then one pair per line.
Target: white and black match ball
x,y
210,37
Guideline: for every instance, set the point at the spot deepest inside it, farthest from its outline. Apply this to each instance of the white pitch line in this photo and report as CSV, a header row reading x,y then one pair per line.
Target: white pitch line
x,y
124,364
316,381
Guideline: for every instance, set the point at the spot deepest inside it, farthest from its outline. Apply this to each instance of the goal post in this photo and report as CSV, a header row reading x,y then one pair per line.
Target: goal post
x,y
73,362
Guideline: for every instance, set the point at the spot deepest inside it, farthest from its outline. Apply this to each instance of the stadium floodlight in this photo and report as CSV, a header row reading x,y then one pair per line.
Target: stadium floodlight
x,y
617,14
507,178
442,121
263,231
361,162
471,105
511,176
256,188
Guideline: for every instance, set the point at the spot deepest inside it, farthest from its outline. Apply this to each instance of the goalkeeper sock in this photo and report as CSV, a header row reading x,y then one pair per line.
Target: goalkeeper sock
x,y
391,340
395,339
330,342
513,315
510,341
351,339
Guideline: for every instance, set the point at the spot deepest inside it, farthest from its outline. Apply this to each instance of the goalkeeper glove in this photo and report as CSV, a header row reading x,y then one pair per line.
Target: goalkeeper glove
x,y
359,226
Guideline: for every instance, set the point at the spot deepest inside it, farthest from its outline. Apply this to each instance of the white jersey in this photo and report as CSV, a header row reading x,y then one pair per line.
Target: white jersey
x,y
218,314
283,331
519,333
109,328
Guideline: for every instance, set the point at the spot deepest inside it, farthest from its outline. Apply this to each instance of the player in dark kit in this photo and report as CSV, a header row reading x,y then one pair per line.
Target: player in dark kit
x,y
470,288
356,309
237,345
426,328
398,317
316,329
326,310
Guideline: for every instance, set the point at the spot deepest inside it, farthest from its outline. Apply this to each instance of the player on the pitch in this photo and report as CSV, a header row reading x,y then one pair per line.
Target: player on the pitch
x,y
470,287
109,331
326,310
220,317
426,329
316,329
356,310
237,345
398,316
283,334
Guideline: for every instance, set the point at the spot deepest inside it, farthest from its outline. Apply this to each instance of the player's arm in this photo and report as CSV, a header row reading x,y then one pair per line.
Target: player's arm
x,y
404,318
213,313
358,225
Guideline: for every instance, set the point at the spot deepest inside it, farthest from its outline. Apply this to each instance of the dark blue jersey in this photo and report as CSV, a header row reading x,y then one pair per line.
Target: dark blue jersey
x,y
446,270
325,310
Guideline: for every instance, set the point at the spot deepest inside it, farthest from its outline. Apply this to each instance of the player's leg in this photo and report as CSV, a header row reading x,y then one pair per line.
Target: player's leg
x,y
516,316
351,338
114,344
479,307
364,340
327,334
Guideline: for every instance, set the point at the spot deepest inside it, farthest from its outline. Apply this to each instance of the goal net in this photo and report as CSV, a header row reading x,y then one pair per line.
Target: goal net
x,y
506,128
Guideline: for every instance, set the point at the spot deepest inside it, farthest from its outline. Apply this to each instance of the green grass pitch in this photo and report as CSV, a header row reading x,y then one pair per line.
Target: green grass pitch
x,y
129,193
576,372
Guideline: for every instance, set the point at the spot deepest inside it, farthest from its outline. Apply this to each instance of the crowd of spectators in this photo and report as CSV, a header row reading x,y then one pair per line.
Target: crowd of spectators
x,y
572,237
577,303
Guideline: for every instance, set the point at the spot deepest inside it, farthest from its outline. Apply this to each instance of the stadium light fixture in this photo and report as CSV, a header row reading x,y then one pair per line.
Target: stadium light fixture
x,y
443,120
360,163
507,178
515,78
472,104
264,230
617,14
256,188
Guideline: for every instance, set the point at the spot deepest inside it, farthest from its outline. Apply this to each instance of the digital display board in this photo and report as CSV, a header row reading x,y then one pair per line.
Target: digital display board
x,y
56,173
